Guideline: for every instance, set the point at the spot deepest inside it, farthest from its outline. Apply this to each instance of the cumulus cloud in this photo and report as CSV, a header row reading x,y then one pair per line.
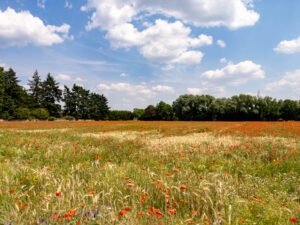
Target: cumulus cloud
x,y
290,81
235,74
163,89
22,28
132,90
221,43
229,13
193,91
288,47
63,77
164,41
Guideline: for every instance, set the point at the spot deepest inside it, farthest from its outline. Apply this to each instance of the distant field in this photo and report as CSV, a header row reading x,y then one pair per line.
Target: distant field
x,y
149,173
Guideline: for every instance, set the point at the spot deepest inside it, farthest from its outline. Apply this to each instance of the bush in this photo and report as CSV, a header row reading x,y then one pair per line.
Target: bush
x,y
51,118
120,115
70,118
40,114
22,114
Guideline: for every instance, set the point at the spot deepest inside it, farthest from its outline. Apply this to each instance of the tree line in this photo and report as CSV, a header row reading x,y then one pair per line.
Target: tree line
x,y
44,99
208,108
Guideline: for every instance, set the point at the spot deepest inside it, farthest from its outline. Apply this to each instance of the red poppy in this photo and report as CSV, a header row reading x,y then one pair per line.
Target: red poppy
x,y
72,211
183,187
293,220
171,211
139,214
122,213
127,209
58,193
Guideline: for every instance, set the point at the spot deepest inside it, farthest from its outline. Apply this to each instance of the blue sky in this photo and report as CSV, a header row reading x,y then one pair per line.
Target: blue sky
x,y
138,52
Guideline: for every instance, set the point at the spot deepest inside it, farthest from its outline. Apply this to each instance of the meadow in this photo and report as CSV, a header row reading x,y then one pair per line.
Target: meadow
x,y
149,173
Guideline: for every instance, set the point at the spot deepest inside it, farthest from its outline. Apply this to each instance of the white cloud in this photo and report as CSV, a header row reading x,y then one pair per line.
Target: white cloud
x,y
68,5
41,3
163,89
235,74
288,47
193,91
221,43
131,90
123,75
229,13
290,81
164,41
63,77
22,28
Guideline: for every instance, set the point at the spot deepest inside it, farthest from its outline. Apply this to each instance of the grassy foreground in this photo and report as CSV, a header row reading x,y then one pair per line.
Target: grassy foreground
x,y
149,173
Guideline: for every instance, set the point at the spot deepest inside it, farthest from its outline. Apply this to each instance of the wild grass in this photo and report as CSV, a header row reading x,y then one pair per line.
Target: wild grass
x,y
149,173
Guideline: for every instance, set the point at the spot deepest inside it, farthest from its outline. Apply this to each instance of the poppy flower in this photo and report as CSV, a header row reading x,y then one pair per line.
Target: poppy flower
x,y
58,194
183,187
167,196
139,214
72,211
293,220
171,211
122,213
127,209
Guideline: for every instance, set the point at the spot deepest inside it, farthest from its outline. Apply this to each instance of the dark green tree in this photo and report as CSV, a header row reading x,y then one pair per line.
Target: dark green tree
x,y
150,113
98,107
35,89
164,111
51,96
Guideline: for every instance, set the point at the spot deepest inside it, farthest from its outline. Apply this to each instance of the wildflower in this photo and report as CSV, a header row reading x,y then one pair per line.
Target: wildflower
x,y
122,213
127,209
139,214
175,170
171,211
168,174
167,196
72,211
293,220
183,187
58,194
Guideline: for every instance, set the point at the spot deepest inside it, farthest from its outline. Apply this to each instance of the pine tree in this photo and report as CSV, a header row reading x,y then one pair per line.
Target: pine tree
x,y
1,89
51,96
98,107
35,89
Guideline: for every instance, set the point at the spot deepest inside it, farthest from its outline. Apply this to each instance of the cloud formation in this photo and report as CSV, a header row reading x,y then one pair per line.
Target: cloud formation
x,y
288,47
235,74
167,42
22,28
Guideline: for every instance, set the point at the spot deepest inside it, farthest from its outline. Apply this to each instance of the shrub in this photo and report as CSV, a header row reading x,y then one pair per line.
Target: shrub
x,y
22,114
51,118
70,118
40,114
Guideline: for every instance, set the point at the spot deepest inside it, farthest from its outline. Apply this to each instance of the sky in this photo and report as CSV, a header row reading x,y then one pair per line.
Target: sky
x,y
138,52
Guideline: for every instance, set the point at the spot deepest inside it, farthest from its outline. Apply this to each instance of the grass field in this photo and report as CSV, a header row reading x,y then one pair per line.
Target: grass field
x,y
149,173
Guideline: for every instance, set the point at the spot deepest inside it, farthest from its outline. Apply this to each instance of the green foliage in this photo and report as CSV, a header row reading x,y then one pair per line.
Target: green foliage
x,y
51,96
164,111
35,89
138,113
22,114
120,115
150,113
69,118
40,114
51,118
